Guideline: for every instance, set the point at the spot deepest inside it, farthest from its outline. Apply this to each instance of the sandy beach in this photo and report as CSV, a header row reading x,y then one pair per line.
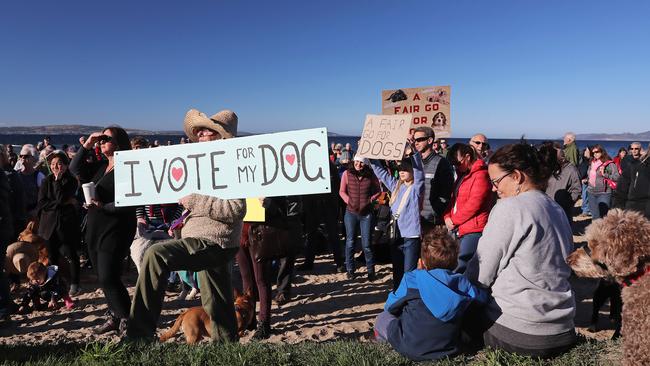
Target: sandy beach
x,y
325,306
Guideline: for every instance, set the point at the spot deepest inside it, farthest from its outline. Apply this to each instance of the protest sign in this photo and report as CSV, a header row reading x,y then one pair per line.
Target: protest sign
x,y
384,137
430,106
254,210
278,164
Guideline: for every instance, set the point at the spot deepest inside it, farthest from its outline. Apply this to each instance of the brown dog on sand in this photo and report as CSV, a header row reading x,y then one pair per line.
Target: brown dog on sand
x,y
620,249
196,322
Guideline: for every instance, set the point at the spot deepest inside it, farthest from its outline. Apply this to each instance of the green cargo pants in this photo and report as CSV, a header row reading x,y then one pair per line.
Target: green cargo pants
x,y
192,254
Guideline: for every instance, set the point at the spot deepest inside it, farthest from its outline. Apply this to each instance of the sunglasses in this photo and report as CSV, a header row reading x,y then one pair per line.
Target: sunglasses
x,y
596,151
635,148
495,182
25,156
479,142
421,139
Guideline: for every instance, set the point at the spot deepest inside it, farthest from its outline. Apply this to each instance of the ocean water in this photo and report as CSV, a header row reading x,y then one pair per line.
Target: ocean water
x,y
59,140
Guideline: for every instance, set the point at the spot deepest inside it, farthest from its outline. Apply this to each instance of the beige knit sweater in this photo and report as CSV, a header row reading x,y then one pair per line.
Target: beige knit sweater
x,y
214,219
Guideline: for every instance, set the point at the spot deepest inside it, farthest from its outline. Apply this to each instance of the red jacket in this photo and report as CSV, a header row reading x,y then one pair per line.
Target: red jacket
x,y
472,201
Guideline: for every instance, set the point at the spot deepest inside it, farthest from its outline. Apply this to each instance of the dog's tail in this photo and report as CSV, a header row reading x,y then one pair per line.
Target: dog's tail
x,y
177,324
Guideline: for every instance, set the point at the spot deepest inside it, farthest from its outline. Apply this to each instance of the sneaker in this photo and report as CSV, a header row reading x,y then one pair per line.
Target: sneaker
x,y
121,328
349,275
192,294
263,331
110,325
182,295
74,290
340,269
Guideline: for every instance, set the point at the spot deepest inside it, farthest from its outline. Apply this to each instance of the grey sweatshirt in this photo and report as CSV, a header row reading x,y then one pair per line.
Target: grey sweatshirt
x,y
521,257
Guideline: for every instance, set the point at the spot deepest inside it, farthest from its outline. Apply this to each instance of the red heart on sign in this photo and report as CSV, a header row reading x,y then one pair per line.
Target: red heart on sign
x,y
290,158
177,173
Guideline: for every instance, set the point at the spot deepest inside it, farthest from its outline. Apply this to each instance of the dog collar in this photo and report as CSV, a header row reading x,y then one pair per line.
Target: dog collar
x,y
634,277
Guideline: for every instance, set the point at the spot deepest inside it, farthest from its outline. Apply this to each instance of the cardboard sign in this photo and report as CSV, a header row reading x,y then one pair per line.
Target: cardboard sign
x,y
429,106
278,164
384,137
254,211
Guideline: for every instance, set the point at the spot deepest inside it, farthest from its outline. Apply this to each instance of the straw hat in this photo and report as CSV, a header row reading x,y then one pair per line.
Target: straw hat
x,y
224,122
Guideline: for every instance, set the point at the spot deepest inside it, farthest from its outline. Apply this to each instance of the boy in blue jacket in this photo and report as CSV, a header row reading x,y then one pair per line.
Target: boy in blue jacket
x,y
421,319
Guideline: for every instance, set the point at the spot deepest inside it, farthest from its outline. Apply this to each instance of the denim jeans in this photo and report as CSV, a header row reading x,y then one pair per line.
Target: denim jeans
x,y
468,244
352,221
405,253
599,204
585,200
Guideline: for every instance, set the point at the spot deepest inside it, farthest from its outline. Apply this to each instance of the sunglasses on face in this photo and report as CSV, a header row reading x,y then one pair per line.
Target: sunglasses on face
x,y
495,182
596,151
25,156
421,139
635,148
479,142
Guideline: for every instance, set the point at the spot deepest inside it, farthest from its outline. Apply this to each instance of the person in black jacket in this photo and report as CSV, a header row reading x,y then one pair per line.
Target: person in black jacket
x,y
6,234
633,187
59,218
109,229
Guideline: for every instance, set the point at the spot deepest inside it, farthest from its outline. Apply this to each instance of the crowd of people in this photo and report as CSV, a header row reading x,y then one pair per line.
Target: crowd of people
x,y
477,238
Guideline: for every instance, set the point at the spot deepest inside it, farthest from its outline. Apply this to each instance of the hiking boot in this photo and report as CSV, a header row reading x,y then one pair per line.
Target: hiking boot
x,y
110,325
263,331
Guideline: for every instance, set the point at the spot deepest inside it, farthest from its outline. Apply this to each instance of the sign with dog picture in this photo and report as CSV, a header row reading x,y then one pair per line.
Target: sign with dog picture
x,y
384,136
429,106
278,164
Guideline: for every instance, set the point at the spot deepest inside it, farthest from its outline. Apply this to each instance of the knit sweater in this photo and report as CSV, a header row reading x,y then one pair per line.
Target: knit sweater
x,y
214,219
521,257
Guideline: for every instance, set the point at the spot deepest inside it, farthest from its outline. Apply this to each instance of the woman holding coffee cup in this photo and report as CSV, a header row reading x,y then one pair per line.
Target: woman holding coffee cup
x,y
58,215
109,229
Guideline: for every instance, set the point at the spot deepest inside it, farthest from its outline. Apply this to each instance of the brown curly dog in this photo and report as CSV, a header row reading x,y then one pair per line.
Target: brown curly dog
x,y
620,249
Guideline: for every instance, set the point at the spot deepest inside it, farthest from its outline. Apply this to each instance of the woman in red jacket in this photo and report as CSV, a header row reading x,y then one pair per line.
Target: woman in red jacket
x,y
471,201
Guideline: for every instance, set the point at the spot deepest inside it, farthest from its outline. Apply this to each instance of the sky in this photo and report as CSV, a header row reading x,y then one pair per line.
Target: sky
x,y
538,68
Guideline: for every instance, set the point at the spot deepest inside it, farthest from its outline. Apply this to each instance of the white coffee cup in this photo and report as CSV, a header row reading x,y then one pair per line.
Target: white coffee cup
x,y
89,192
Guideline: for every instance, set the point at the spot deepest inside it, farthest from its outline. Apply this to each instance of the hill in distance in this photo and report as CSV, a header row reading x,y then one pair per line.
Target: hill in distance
x,y
625,136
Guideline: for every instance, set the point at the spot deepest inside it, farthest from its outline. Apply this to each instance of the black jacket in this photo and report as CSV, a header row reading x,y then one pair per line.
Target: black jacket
x,y
57,208
633,187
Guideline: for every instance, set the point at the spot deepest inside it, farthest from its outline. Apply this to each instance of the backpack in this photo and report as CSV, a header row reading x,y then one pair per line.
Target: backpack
x,y
609,182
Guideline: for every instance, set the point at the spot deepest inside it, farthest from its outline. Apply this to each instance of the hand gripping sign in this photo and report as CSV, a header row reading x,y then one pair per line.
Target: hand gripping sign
x,y
278,164
384,136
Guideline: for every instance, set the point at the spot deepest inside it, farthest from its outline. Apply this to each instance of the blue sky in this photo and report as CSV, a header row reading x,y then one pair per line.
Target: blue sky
x,y
538,68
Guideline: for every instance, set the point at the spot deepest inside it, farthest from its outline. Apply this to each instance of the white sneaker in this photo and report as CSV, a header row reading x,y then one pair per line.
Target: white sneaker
x,y
192,294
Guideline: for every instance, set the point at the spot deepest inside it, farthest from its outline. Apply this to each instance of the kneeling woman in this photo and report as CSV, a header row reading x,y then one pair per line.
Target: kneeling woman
x,y
521,257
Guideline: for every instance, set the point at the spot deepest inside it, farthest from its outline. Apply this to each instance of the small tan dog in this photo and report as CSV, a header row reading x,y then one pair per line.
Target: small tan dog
x,y
620,249
29,235
196,322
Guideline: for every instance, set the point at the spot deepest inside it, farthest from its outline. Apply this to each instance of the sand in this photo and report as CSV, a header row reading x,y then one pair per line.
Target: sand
x,y
325,306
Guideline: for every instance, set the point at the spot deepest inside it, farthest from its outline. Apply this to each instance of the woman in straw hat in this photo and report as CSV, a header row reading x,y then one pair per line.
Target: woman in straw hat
x,y
210,236
58,215
109,229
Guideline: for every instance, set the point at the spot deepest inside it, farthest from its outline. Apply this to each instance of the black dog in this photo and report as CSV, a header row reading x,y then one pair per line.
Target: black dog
x,y
397,96
612,291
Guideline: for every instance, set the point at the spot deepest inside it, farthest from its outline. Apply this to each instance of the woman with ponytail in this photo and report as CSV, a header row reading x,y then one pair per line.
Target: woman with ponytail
x,y
521,259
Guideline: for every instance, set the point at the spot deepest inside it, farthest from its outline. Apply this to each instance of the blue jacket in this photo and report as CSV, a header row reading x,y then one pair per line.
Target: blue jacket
x,y
409,218
429,307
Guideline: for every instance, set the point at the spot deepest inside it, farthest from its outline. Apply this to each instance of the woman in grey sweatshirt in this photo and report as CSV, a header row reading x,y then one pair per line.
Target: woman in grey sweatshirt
x,y
521,259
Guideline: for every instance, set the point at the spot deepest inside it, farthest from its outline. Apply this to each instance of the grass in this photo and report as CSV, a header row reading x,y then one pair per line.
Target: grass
x,y
326,354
